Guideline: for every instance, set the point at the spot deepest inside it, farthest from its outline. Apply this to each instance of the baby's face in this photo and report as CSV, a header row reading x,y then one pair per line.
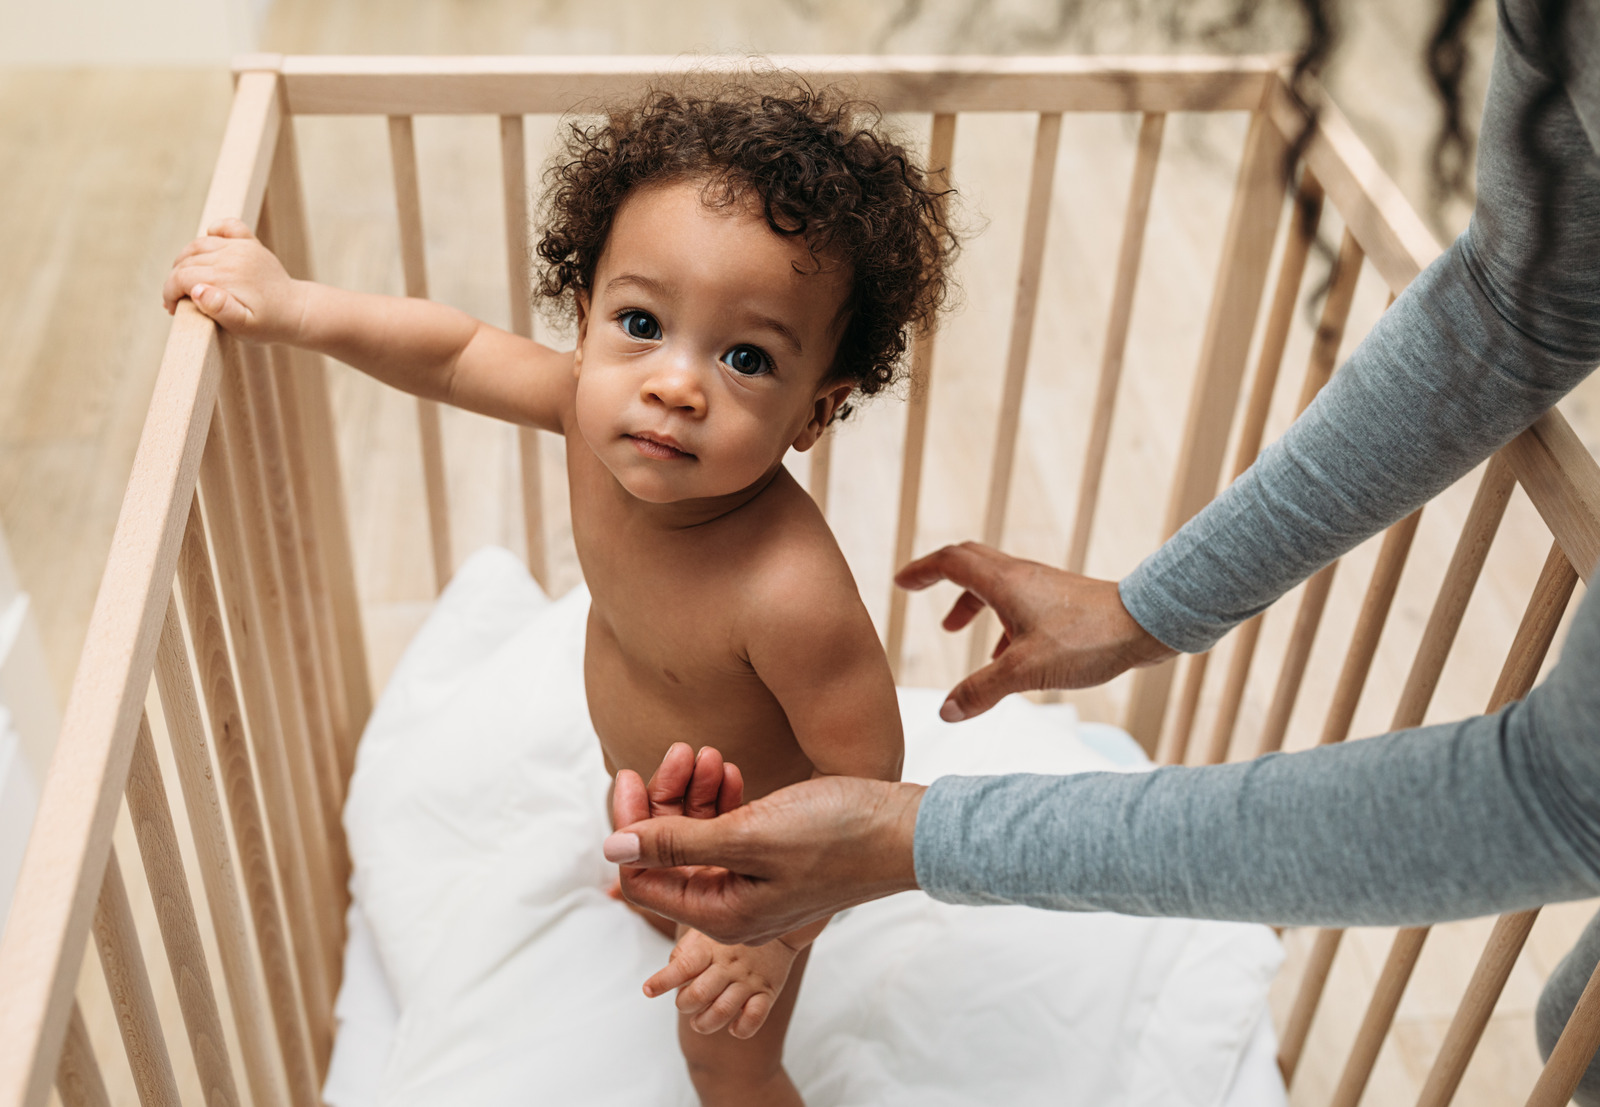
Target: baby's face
x,y
704,347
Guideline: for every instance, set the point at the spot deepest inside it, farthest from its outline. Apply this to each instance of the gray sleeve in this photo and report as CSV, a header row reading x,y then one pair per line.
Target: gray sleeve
x,y
1491,814
1477,347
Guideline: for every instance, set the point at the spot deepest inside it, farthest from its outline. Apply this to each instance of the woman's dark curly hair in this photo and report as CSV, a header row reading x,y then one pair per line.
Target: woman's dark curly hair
x,y
820,166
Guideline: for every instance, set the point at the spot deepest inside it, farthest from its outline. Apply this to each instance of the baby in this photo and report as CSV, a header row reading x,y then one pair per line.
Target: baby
x,y
739,263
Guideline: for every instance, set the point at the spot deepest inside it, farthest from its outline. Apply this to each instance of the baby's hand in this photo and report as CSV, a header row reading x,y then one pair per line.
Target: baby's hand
x,y
720,985
235,280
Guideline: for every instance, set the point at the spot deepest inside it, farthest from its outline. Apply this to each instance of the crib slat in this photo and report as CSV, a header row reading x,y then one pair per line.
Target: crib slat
x,y
305,391
1535,634
1375,607
1127,277
413,261
78,1076
1573,1052
180,931
1307,619
275,710
941,148
116,936
296,495
1047,142
514,174
289,1012
1306,997
1174,747
1241,276
1460,578
821,470
1397,968
278,486
1307,213
253,553
263,1064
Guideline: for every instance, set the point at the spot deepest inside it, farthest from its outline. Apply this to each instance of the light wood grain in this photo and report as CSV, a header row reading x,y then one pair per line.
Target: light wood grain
x,y
1236,298
1046,145
514,176
180,930
1292,1042
116,936
1116,346
78,1076
941,150
1397,970
1574,1050
241,970
253,551
305,395
414,263
1563,480
512,85
55,891
278,961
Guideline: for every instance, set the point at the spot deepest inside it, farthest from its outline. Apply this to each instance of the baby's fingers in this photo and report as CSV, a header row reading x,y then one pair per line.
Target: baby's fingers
x,y
752,1017
223,307
230,228
684,966
722,1009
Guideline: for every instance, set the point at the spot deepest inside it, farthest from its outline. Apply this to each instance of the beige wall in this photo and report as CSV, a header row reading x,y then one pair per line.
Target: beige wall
x,y
128,32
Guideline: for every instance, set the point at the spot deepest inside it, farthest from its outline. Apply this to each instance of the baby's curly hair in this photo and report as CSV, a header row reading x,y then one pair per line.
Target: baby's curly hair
x,y
820,165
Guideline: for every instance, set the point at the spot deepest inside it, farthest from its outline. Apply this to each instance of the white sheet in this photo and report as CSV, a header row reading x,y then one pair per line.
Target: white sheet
x,y
487,966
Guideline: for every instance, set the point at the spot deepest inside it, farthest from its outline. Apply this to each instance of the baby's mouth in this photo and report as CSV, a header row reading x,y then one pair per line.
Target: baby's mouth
x,y
660,447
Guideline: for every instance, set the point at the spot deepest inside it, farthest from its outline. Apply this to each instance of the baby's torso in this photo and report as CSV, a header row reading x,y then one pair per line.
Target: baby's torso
x,y
663,661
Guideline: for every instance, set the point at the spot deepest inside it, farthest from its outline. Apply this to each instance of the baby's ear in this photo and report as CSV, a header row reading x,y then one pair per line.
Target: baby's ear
x,y
828,401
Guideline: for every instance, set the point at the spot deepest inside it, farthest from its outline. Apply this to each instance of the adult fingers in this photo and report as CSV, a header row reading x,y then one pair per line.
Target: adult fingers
x,y
732,792
984,688
672,841
670,782
629,801
705,785
971,565
963,611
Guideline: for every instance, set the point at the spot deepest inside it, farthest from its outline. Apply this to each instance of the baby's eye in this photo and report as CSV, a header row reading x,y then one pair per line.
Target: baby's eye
x,y
747,361
641,325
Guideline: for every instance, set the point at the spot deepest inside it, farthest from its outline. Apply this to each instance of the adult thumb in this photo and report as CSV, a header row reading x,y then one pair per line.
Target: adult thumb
x,y
671,841
982,690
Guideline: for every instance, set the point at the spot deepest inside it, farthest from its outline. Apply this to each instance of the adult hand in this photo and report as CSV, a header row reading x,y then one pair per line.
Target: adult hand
x,y
780,862
1059,629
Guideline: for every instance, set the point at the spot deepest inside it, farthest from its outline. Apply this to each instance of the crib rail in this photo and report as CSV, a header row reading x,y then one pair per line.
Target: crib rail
x,y
226,647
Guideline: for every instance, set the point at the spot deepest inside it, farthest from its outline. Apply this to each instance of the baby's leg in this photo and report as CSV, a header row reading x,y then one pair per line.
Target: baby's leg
x,y
730,1072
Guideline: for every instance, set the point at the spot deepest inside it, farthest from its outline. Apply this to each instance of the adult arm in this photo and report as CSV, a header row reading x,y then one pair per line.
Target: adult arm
x,y
1490,336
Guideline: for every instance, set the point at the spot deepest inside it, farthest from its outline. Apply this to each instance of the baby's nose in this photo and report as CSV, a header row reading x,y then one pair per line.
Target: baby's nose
x,y
676,385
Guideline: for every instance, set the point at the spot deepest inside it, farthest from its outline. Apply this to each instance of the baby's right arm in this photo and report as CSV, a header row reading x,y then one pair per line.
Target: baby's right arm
x,y
421,347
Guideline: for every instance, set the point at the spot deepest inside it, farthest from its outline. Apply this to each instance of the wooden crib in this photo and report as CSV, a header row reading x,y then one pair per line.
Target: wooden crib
x,y
232,583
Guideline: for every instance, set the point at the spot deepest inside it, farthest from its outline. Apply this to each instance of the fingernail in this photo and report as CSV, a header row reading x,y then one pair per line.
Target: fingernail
x,y
950,713
620,849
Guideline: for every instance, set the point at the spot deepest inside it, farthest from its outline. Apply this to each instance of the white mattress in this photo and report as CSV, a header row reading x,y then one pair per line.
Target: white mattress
x,y
486,965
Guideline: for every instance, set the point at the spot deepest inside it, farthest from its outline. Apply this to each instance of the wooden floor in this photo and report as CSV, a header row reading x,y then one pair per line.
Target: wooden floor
x,y
104,173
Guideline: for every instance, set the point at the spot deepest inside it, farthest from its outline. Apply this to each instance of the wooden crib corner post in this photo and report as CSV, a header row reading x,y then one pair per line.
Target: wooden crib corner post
x,y
1236,300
